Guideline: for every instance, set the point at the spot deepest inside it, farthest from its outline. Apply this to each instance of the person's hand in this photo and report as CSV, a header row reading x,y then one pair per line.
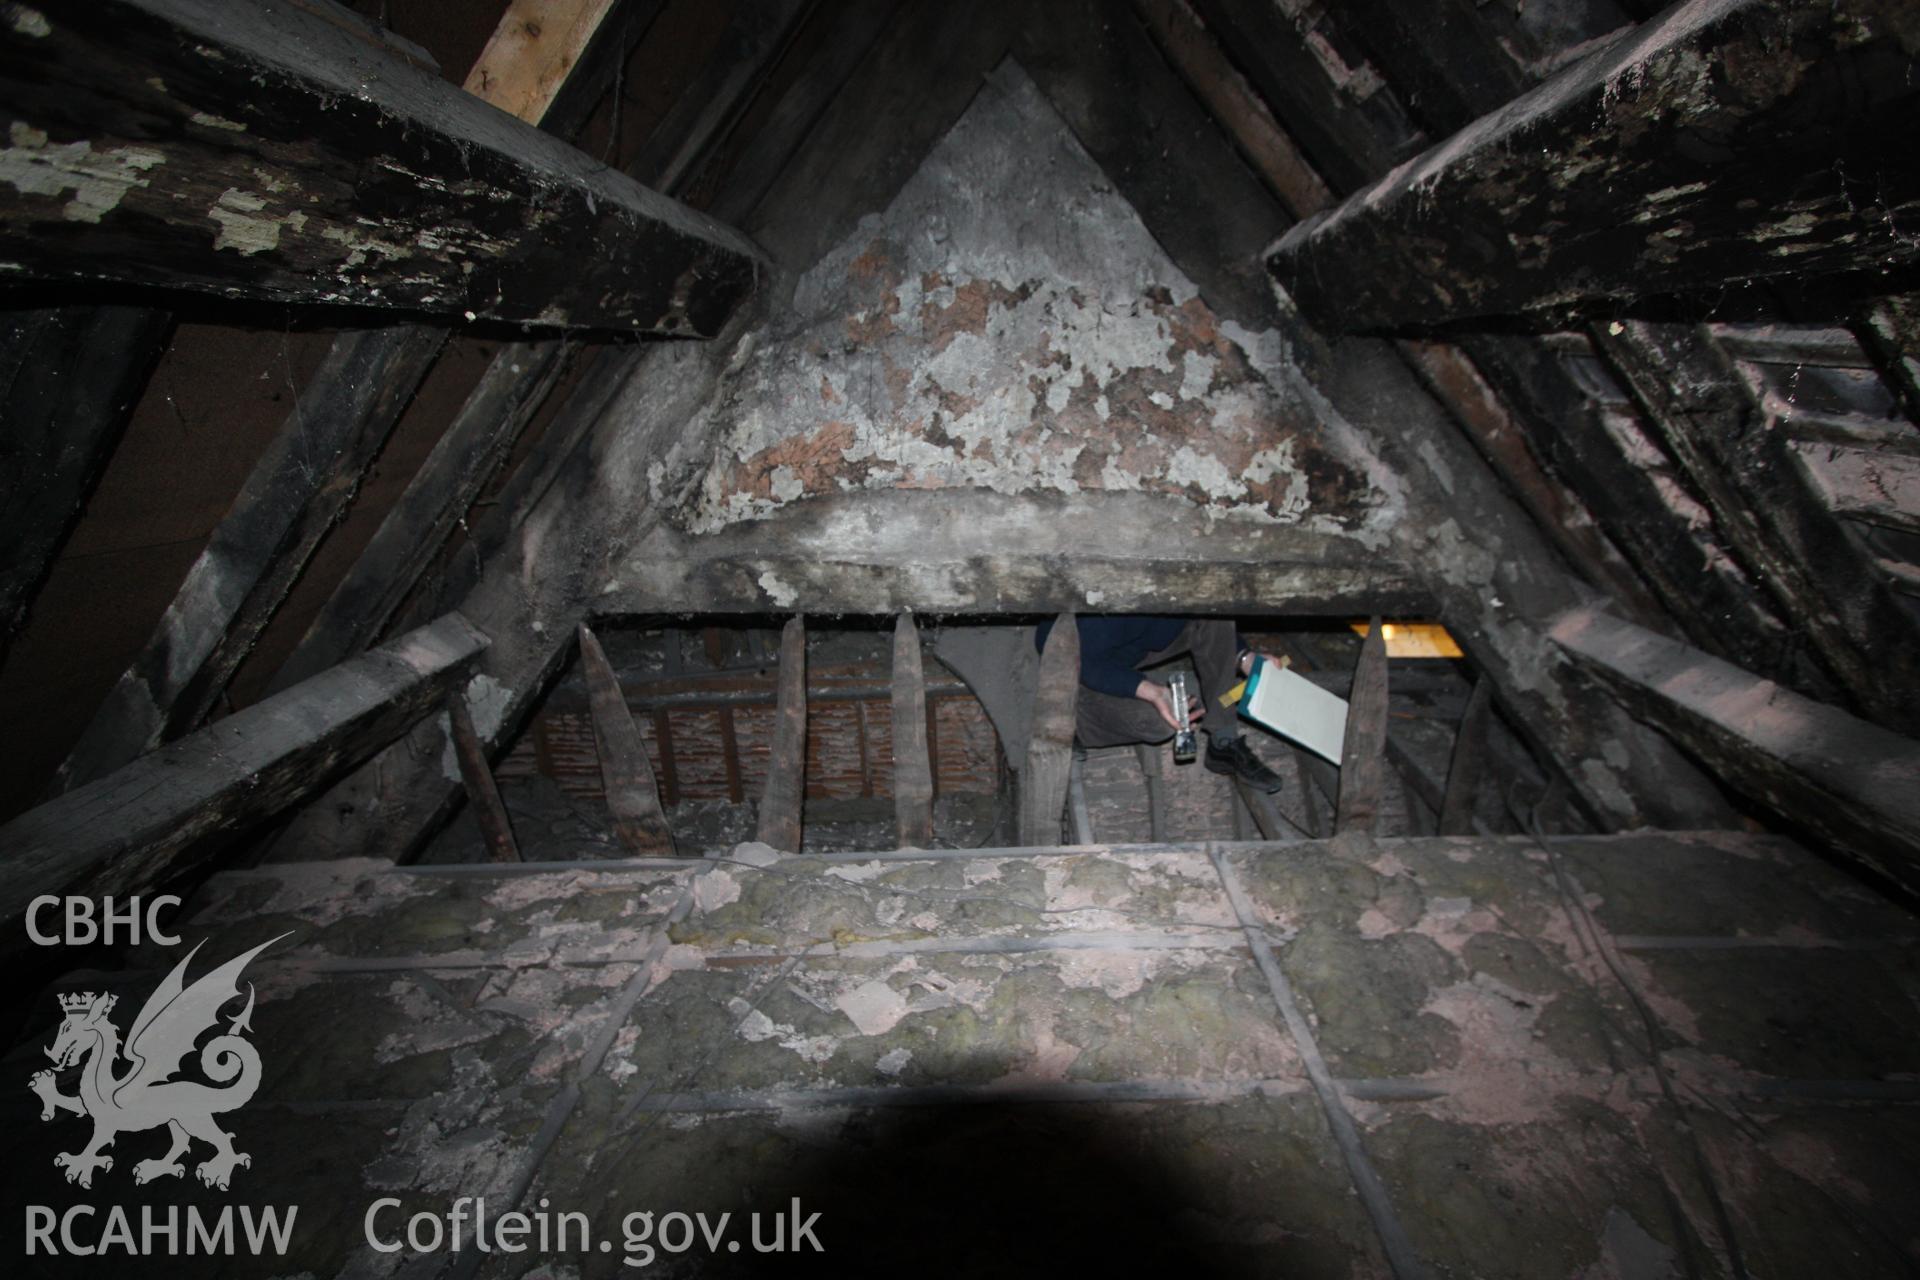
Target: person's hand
x,y
1162,701
1248,655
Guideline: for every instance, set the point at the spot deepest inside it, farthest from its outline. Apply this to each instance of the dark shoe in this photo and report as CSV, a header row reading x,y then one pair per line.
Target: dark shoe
x,y
1236,759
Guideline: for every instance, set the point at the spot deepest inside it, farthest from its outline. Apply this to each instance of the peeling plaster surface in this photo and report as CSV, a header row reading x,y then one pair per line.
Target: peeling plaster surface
x,y
212,121
31,22
487,701
98,179
1009,324
697,1034
242,228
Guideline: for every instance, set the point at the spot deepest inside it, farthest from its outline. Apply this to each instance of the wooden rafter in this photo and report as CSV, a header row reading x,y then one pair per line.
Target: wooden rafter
x,y
1890,334
1709,420
1635,172
1204,65
69,377
1642,504
1559,512
293,496
129,830
397,801
1347,136
467,455
253,556
533,51
1845,781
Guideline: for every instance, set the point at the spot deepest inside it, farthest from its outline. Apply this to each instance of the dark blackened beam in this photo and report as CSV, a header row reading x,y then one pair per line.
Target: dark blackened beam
x,y
674,151
1695,399
1489,78
862,145
1848,783
1727,140
69,377
367,602
1564,721
1445,371
130,830
261,151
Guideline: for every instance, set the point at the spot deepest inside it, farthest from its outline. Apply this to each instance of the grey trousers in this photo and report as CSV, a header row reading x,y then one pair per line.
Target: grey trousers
x,y
1103,720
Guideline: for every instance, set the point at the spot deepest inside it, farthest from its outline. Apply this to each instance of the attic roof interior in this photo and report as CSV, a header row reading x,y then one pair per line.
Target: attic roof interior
x,y
534,513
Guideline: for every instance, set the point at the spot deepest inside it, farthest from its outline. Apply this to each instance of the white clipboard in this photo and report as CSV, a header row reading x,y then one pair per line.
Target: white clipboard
x,y
1296,708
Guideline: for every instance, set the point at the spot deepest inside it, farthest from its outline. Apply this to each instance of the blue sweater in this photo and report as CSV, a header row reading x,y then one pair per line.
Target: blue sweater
x,y
1110,648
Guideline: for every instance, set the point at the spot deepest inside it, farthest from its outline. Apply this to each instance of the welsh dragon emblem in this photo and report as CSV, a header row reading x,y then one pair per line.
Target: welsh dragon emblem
x,y
143,1096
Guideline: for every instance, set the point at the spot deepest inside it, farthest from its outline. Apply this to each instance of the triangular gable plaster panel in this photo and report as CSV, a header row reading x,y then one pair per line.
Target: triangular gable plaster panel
x,y
1009,324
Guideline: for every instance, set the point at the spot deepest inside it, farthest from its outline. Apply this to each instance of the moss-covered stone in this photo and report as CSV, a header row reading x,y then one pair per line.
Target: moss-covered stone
x,y
1367,998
